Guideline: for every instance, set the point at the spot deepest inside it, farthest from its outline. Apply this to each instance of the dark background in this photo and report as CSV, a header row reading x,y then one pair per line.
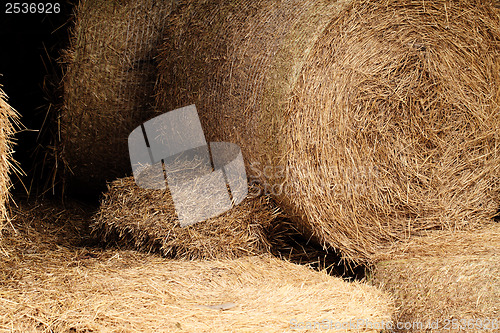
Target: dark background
x,y
30,45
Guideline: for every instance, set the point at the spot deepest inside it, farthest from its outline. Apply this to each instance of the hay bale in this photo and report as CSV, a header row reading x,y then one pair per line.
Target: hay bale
x,y
134,218
369,122
445,277
8,119
48,286
146,219
107,87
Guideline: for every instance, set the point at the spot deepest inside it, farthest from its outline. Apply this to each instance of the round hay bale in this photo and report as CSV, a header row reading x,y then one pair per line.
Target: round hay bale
x,y
146,219
451,280
369,122
8,119
107,87
52,285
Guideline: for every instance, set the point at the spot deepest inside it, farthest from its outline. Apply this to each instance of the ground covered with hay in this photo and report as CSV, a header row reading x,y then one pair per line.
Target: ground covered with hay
x,y
49,281
134,218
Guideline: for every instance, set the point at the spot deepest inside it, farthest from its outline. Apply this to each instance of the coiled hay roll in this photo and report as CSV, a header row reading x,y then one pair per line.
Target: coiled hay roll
x,y
369,122
108,86
444,277
8,119
146,219
51,283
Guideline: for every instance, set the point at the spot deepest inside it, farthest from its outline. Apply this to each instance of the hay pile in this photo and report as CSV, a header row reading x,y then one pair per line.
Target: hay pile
x,y
107,86
134,218
47,284
146,219
369,122
444,277
8,119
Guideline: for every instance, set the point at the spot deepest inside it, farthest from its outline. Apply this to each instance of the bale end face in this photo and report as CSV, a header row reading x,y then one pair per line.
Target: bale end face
x,y
384,117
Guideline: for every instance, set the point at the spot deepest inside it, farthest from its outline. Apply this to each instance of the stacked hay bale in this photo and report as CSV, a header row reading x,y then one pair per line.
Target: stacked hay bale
x,y
369,122
448,280
107,87
51,283
8,118
145,219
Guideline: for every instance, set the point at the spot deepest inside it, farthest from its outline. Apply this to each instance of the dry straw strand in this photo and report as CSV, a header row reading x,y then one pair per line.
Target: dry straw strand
x,y
375,121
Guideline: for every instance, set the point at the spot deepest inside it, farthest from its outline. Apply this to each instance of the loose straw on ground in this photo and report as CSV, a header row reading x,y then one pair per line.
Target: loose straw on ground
x,y
50,282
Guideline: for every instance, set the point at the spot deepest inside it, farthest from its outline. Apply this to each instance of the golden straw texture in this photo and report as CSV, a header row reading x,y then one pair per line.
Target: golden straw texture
x,y
147,220
449,278
107,87
50,284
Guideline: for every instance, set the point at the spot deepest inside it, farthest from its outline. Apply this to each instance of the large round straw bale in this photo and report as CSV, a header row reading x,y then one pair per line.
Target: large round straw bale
x,y
146,219
369,122
49,284
8,117
108,86
451,280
